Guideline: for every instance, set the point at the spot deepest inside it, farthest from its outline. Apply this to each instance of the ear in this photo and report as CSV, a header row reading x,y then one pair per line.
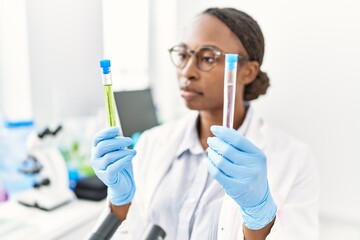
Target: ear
x,y
248,72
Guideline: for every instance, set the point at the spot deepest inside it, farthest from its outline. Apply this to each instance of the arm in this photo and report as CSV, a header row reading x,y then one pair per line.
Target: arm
x,y
240,168
260,234
120,211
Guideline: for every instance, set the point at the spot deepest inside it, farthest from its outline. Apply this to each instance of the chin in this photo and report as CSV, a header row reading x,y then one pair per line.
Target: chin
x,y
192,106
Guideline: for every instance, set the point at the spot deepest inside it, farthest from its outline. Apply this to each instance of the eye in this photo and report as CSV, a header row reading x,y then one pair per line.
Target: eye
x,y
182,55
208,59
207,55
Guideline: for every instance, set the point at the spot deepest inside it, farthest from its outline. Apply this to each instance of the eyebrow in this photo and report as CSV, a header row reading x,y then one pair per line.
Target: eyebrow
x,y
202,46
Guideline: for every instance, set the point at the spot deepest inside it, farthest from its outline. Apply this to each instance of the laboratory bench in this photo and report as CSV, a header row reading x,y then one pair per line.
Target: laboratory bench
x,y
74,220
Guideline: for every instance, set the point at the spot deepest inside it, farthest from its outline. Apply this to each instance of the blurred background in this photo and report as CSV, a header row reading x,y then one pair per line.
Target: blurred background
x,y
49,74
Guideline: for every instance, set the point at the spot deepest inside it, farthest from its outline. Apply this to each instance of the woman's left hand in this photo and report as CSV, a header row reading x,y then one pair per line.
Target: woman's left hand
x,y
240,168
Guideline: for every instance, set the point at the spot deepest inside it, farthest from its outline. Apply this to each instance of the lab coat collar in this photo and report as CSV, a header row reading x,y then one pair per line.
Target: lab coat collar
x,y
245,125
190,141
255,129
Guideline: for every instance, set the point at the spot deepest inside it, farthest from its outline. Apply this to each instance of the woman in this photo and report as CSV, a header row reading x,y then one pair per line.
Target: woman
x,y
199,180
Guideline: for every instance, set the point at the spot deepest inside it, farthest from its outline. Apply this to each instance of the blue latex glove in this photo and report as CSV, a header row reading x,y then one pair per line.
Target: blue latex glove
x,y
111,161
240,168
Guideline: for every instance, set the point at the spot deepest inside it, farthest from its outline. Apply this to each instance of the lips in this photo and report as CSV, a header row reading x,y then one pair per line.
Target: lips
x,y
190,93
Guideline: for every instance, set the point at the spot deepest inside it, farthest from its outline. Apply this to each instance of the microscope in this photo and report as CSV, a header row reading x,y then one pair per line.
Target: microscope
x,y
51,189
110,224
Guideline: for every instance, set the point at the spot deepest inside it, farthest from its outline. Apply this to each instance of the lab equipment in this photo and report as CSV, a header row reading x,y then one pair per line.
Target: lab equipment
x,y
111,114
240,167
138,116
52,189
107,228
90,188
12,152
111,222
111,161
229,89
154,232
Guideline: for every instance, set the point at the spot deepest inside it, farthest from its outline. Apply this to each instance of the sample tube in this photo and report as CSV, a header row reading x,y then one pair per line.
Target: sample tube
x,y
111,111
229,89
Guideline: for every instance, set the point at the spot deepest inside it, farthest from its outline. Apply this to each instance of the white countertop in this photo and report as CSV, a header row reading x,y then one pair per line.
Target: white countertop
x,y
21,222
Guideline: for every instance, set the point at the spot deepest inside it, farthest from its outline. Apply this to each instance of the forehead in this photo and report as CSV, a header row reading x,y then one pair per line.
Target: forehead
x,y
208,30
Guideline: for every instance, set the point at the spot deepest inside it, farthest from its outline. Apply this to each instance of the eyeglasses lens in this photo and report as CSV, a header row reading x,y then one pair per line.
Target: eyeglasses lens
x,y
205,57
179,56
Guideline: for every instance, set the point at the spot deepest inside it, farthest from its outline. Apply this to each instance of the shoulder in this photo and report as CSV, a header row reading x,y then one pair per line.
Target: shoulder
x,y
280,141
270,138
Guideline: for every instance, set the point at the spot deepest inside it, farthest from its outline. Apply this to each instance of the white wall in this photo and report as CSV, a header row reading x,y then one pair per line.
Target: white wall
x,y
163,31
1,70
312,57
14,62
126,45
65,41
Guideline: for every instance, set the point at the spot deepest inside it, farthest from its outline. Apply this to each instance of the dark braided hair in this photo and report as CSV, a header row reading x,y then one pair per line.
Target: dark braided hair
x,y
249,33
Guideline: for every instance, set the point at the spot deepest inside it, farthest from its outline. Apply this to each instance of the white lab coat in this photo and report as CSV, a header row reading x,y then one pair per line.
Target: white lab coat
x,y
292,177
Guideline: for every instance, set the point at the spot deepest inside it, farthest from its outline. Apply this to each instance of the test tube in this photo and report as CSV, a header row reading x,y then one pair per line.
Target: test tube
x,y
229,89
111,111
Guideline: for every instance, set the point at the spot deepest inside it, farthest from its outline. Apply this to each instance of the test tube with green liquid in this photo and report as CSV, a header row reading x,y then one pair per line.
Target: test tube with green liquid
x,y
111,111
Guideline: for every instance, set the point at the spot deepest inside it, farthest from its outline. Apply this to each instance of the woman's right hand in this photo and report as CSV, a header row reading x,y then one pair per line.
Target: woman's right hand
x,y
112,163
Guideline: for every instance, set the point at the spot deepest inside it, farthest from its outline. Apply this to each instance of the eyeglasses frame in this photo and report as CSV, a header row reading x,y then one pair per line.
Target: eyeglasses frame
x,y
190,52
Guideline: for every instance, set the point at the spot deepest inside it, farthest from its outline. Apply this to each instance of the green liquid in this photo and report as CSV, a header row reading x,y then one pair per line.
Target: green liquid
x,y
111,111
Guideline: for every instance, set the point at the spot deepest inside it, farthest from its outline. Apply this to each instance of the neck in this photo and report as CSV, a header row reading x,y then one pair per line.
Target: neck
x,y
207,119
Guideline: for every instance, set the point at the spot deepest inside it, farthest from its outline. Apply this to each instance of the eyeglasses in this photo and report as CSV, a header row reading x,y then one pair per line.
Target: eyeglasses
x,y
206,56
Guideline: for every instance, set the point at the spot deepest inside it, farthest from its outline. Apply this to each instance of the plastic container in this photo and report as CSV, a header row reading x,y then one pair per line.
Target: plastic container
x,y
12,153
4,195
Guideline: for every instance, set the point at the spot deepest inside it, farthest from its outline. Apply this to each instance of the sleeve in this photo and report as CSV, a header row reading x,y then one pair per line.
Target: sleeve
x,y
297,216
136,220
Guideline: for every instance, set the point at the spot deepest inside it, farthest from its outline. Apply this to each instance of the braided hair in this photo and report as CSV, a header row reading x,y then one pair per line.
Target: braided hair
x,y
249,33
